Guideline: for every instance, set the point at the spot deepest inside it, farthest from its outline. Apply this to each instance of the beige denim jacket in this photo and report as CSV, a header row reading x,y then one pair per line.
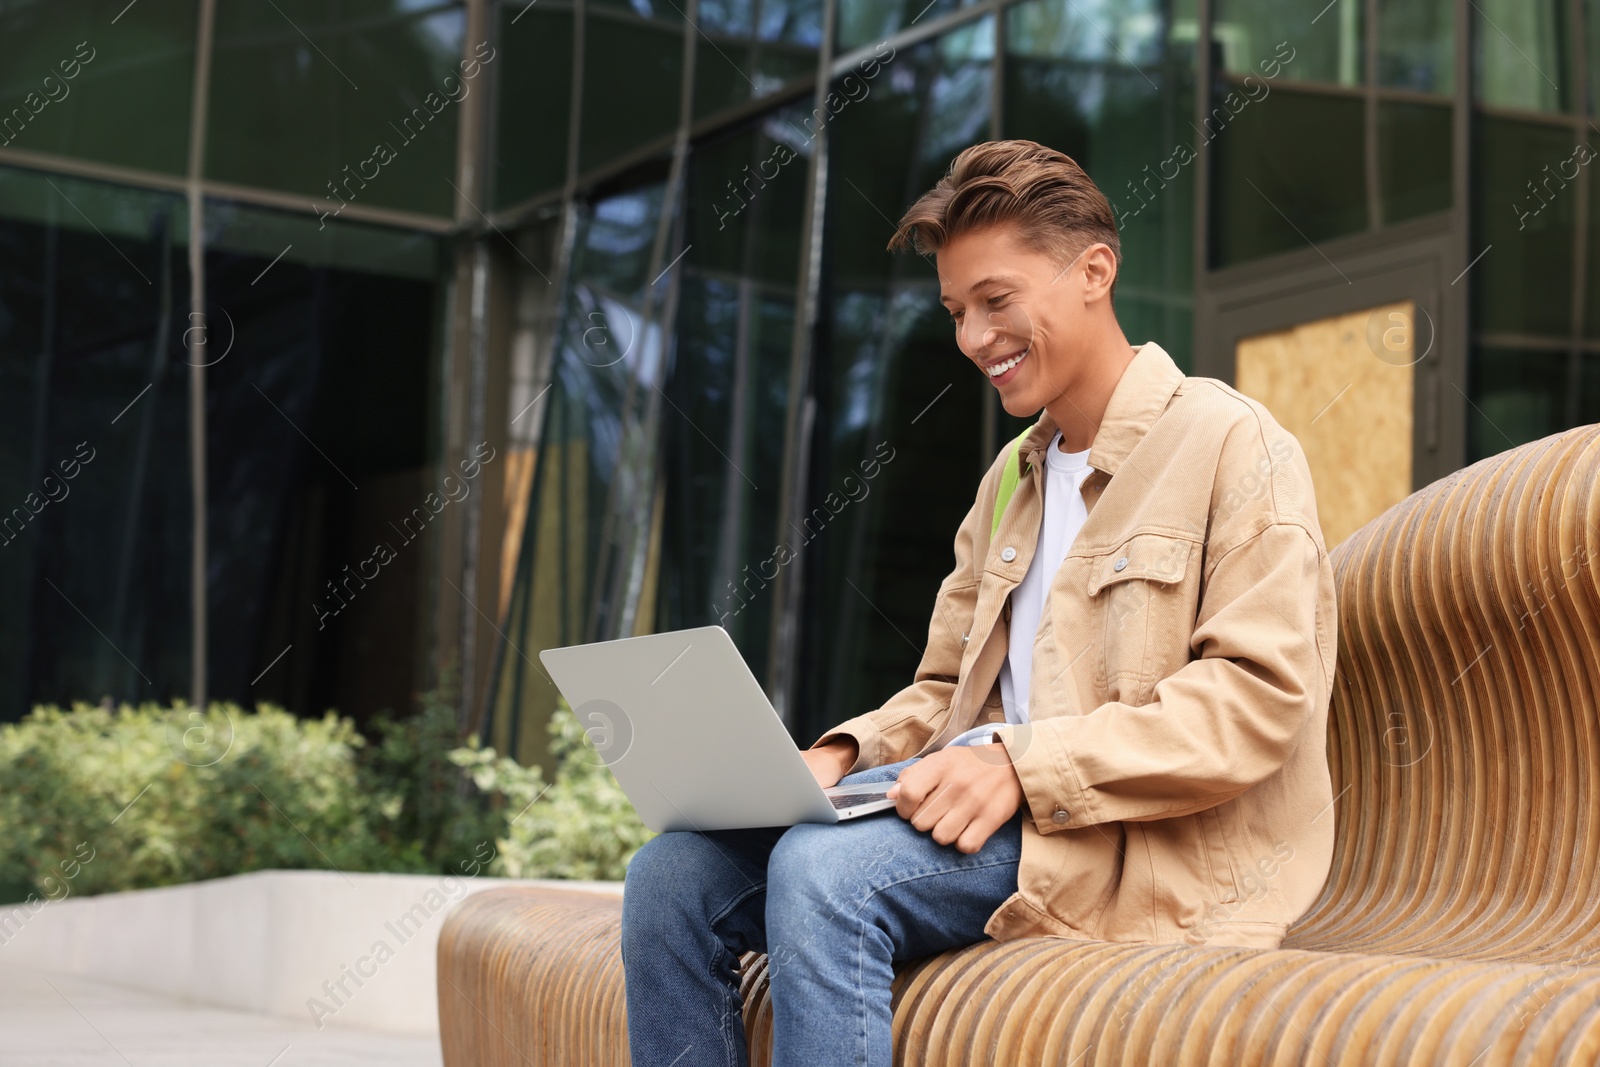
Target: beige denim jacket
x,y
1174,769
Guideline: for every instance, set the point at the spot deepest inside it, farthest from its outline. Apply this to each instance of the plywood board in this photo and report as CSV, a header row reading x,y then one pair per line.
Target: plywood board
x,y
1343,386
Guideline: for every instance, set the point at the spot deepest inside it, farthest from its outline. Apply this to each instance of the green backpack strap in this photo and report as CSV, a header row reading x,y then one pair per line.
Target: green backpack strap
x,y
1009,476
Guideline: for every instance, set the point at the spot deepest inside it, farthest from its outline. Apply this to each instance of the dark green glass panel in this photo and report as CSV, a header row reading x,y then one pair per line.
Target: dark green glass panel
x,y
1288,173
1524,208
532,113
1520,54
898,446
1416,45
1591,308
632,86
1414,159
1309,45
357,101
1129,127
1517,396
1589,395
94,501
96,80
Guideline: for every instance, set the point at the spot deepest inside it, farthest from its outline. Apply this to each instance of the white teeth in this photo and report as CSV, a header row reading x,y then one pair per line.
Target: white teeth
x,y
1000,368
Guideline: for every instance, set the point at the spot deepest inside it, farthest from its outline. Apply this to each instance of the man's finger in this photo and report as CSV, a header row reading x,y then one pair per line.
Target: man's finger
x,y
953,826
977,832
933,806
910,787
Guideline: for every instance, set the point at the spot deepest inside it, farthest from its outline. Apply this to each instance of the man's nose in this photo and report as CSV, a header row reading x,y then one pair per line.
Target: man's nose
x,y
982,334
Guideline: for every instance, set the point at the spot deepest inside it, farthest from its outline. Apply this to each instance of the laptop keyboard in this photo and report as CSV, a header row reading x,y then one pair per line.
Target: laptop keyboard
x,y
850,800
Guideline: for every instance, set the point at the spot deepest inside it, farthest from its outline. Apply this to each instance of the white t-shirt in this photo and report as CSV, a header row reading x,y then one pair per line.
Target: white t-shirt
x,y
1064,516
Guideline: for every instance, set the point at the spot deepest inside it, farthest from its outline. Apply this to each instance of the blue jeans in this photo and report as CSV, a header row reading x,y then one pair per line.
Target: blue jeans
x,y
832,905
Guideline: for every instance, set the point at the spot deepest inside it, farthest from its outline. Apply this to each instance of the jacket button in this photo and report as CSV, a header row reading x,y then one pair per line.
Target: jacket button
x,y
1008,554
1120,564
1060,816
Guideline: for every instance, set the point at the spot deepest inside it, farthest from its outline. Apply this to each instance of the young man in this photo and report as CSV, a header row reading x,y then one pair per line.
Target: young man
x,y
1117,730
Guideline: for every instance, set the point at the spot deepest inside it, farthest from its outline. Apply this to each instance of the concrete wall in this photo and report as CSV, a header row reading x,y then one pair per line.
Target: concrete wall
x,y
336,949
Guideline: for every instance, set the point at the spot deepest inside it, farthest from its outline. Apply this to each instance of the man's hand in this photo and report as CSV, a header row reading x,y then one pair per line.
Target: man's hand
x,y
829,762
962,794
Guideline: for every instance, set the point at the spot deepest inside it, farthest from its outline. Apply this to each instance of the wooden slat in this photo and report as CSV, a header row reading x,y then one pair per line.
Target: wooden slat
x,y
1458,924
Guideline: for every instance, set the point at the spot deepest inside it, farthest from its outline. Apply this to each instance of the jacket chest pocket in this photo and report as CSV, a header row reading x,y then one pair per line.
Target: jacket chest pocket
x,y
1145,595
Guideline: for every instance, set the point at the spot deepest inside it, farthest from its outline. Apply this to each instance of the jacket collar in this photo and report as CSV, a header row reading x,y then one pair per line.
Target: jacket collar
x,y
1141,395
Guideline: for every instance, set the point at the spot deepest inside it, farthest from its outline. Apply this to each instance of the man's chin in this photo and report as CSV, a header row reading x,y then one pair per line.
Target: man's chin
x,y
1019,404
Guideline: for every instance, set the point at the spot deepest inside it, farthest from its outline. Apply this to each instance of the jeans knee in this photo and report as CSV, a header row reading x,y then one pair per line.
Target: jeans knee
x,y
810,879
660,888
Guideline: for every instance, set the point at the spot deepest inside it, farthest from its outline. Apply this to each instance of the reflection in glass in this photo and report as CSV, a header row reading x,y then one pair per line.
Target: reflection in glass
x,y
591,483
1520,54
898,448
1326,48
1109,93
748,49
94,505
366,94
320,524
723,433
866,22
1416,45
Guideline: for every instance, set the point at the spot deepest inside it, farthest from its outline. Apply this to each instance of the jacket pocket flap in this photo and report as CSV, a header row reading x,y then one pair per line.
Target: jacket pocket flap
x,y
1149,557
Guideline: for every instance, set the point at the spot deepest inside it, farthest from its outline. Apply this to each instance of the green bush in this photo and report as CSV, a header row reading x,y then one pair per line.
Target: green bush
x,y
145,789
580,826
156,796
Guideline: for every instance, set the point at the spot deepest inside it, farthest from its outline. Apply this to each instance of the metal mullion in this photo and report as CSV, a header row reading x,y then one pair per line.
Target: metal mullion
x,y
198,112
1343,92
1448,442
989,432
153,181
1202,193
1369,138
738,114
1555,119
1534,342
1580,229
1396,94
782,652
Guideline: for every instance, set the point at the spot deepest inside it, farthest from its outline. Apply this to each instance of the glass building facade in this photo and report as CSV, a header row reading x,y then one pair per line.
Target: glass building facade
x,y
387,341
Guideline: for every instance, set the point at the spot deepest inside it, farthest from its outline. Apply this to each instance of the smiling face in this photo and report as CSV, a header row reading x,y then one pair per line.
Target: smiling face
x,y
1029,322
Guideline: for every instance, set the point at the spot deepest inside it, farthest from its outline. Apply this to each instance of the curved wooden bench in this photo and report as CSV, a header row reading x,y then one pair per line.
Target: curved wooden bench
x,y
1460,923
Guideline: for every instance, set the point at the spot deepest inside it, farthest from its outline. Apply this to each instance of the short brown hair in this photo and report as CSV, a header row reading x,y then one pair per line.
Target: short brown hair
x,y
1055,205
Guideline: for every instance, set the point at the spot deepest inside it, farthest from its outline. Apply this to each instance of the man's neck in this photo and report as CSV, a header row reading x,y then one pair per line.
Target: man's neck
x,y
1078,410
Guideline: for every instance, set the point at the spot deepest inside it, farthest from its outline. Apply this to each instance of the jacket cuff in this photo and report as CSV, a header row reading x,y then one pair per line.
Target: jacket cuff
x,y
1051,786
867,736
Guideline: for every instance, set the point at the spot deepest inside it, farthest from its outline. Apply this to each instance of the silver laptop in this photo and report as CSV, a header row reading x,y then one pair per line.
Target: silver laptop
x,y
691,737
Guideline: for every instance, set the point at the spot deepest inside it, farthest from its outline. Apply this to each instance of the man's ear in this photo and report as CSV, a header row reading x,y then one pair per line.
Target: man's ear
x,y
1099,272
